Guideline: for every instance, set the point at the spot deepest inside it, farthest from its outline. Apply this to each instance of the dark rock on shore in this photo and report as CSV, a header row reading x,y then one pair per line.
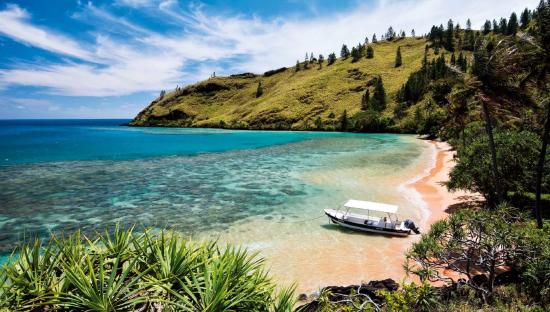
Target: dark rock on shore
x,y
337,293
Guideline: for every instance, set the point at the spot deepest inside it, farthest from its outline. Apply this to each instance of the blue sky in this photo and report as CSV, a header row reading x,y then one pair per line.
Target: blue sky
x,y
109,59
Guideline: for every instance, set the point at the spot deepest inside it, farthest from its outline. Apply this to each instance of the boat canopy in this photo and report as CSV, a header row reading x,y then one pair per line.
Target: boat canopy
x,y
366,205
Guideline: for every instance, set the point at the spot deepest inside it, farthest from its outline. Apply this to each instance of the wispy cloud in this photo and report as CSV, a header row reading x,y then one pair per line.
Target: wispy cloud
x,y
147,60
14,23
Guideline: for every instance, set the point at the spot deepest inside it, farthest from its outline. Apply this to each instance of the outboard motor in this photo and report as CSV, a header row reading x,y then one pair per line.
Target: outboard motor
x,y
410,225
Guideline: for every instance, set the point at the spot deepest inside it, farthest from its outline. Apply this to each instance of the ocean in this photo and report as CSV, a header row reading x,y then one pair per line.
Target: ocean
x,y
263,190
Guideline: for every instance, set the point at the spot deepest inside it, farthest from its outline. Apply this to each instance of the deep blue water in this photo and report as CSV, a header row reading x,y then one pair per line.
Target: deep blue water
x,y
30,141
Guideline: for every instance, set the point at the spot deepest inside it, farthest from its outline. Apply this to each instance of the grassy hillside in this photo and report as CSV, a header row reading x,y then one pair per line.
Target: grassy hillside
x,y
290,99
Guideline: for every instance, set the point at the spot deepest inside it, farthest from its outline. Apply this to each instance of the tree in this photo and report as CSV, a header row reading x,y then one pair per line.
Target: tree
x,y
516,156
398,61
453,59
512,25
390,34
542,36
374,40
470,243
344,121
306,60
344,52
449,36
496,30
413,33
259,90
318,123
370,52
311,58
355,54
468,25
503,26
403,34
331,59
297,65
366,40
365,99
525,18
487,27
162,94
321,60
378,101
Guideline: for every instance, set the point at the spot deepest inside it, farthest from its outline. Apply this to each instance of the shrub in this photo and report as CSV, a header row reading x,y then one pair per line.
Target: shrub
x,y
126,271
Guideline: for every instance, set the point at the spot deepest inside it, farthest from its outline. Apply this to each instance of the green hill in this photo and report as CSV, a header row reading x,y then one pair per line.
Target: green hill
x,y
313,98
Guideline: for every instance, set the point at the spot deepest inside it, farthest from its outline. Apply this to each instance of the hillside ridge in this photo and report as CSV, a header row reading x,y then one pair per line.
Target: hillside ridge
x,y
308,99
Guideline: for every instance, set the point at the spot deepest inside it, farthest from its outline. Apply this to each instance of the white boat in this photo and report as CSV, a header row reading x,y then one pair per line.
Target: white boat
x,y
371,217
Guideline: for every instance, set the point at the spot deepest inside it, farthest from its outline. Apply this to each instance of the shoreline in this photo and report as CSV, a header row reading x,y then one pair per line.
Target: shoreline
x,y
433,193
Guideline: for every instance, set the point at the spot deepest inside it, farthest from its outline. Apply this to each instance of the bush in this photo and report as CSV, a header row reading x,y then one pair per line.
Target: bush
x,y
125,271
517,154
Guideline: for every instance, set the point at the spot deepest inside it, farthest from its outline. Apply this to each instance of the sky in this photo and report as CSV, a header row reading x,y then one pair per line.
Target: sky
x,y
109,59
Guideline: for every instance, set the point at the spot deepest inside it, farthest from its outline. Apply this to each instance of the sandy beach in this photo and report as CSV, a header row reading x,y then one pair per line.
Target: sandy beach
x,y
433,192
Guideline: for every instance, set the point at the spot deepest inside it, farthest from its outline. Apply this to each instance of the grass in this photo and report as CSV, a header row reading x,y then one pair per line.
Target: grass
x,y
290,99
127,271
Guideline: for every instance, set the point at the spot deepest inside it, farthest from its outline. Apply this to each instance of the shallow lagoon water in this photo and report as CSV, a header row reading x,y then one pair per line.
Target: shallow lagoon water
x,y
262,190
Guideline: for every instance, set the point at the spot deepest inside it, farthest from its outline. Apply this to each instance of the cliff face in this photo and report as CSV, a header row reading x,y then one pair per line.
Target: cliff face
x,y
312,98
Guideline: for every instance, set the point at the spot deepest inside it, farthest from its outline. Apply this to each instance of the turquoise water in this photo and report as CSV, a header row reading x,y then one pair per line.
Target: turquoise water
x,y
66,174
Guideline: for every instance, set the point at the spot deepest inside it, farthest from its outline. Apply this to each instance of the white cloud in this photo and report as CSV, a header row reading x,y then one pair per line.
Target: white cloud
x,y
146,60
14,24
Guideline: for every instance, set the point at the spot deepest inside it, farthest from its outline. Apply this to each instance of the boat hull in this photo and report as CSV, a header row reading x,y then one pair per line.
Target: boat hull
x,y
367,228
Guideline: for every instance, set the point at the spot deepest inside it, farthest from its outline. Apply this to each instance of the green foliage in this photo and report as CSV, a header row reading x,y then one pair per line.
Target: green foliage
x,y
411,297
370,52
516,156
398,60
259,90
469,243
331,59
365,100
124,271
378,100
344,123
344,52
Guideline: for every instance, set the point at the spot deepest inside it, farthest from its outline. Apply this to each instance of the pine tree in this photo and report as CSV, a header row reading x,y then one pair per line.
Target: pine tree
x,y
366,40
344,53
468,25
374,40
453,59
355,54
525,18
403,34
378,101
259,90
365,99
503,26
370,52
513,25
297,65
496,30
390,34
449,36
307,58
311,58
321,60
413,33
344,121
331,59
487,27
318,123
398,61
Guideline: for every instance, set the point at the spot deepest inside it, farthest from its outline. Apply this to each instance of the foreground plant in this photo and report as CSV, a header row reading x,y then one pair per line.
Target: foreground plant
x,y
125,271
